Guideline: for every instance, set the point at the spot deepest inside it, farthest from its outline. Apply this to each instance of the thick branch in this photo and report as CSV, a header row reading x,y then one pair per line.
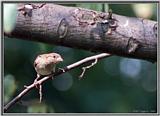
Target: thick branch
x,y
66,69
89,30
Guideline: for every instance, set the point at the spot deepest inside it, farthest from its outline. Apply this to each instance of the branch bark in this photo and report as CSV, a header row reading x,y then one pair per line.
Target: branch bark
x,y
90,30
65,69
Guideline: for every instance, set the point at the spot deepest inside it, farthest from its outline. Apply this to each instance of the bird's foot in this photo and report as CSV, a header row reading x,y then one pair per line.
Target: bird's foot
x,y
36,83
61,69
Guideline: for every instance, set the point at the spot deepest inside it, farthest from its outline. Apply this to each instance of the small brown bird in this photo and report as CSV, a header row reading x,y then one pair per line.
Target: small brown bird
x,y
45,64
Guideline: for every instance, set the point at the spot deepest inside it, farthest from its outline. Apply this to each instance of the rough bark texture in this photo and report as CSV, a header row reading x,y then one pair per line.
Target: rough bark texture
x,y
90,30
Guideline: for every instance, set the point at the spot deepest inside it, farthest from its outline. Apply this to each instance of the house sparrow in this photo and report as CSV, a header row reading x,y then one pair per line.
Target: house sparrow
x,y
45,64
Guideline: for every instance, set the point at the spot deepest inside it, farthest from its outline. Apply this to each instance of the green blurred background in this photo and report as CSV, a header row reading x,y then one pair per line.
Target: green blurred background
x,y
114,85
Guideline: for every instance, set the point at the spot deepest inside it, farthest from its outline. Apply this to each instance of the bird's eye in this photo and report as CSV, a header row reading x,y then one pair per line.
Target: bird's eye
x,y
54,56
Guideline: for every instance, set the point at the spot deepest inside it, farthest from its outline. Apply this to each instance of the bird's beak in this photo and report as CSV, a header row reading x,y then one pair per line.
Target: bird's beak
x,y
60,59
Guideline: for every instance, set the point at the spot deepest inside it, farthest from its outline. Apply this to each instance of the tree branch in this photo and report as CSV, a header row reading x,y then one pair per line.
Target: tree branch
x,y
44,79
87,29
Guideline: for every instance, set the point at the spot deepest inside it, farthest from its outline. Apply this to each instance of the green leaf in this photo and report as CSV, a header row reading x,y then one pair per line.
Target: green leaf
x,y
143,10
39,108
9,87
9,17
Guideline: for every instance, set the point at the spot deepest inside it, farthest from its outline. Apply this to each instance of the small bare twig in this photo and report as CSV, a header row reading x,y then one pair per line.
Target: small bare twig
x,y
40,93
87,67
58,72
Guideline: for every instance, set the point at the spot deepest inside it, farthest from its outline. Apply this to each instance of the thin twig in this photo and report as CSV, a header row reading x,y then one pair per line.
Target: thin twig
x,y
87,67
44,79
40,93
